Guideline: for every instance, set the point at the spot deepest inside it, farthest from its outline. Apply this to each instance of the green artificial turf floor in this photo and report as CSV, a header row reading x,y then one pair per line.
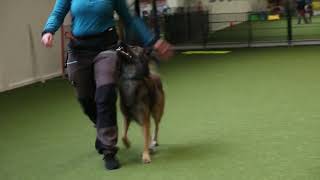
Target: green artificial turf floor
x,y
252,114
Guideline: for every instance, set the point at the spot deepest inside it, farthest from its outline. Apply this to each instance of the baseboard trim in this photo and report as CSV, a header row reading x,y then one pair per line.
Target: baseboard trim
x,y
30,81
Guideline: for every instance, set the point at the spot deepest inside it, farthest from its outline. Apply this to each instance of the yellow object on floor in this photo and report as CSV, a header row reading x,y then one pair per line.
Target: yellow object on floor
x,y
205,52
273,17
316,5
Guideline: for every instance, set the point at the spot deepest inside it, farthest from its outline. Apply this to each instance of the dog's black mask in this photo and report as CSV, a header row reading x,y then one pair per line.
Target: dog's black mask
x,y
133,62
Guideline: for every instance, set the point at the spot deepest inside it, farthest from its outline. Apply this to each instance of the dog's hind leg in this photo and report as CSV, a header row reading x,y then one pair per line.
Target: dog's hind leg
x,y
157,117
125,138
157,113
146,134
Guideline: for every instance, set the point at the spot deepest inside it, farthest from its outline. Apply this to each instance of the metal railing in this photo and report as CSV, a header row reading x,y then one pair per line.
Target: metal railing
x,y
202,28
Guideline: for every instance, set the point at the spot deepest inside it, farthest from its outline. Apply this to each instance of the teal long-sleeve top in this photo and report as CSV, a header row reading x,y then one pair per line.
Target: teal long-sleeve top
x,y
91,17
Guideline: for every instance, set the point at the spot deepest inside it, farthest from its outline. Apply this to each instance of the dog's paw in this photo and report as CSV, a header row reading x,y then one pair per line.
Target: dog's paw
x,y
153,147
154,143
146,158
126,142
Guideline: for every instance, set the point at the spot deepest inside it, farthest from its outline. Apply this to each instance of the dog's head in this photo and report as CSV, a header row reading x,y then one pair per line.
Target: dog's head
x,y
133,62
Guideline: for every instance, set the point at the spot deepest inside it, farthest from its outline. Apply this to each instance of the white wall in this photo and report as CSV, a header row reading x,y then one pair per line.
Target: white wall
x,y
175,3
22,22
3,39
225,6
233,6
259,5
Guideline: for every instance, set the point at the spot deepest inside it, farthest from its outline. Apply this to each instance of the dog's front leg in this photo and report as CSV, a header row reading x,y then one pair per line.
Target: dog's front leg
x,y
146,133
125,138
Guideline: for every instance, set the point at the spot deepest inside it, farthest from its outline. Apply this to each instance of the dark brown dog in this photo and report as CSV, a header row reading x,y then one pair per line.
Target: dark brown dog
x,y
141,95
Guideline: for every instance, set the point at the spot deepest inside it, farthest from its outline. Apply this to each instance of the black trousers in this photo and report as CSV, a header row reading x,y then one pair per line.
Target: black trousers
x,y
93,75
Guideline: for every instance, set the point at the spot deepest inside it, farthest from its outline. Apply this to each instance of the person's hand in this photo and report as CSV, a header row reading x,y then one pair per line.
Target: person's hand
x,y
47,40
164,49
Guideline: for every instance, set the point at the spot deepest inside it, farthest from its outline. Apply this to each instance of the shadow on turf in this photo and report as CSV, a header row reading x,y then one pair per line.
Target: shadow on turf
x,y
167,154
177,153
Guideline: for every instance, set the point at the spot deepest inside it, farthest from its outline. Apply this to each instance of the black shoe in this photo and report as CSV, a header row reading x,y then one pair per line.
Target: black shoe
x,y
98,146
111,162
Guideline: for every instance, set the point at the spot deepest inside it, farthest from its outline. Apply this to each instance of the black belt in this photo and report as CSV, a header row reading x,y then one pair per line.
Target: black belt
x,y
102,41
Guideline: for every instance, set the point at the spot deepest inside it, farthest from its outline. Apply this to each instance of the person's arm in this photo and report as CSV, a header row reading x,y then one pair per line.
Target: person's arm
x,y
134,23
56,18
